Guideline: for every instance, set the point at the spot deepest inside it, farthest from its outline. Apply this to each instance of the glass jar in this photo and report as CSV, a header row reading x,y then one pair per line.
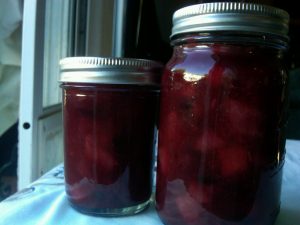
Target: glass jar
x,y
222,116
109,118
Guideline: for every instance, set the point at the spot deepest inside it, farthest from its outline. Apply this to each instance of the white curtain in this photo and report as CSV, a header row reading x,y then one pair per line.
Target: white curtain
x,y
10,61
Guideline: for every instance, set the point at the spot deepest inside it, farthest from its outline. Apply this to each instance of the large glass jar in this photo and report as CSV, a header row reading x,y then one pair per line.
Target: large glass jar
x,y
222,116
109,117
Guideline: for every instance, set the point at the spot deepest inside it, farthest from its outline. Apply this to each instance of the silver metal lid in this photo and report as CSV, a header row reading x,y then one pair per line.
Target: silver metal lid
x,y
230,16
110,70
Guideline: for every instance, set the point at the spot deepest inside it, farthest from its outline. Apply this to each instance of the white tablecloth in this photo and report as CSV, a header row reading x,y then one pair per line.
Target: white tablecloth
x,y
44,201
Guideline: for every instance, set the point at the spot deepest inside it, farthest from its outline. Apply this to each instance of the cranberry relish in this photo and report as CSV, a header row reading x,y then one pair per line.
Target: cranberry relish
x,y
108,158
220,138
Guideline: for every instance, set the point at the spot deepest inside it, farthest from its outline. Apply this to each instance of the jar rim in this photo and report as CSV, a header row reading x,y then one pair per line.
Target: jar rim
x,y
232,37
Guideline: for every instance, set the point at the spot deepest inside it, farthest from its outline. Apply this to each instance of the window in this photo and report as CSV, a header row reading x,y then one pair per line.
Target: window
x,y
53,29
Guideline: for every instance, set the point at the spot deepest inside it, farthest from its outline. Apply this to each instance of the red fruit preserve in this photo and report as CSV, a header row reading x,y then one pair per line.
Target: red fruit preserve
x,y
109,116
222,116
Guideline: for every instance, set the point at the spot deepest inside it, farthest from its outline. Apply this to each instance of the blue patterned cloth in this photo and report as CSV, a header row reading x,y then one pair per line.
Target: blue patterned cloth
x,y
44,201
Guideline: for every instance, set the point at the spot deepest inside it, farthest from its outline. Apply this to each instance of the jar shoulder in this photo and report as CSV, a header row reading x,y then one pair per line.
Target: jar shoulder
x,y
201,59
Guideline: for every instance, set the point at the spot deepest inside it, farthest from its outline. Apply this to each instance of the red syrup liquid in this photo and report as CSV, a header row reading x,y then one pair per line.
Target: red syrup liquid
x,y
221,136
109,133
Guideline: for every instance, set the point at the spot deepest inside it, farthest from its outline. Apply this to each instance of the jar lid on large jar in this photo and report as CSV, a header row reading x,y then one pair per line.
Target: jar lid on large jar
x,y
105,70
231,16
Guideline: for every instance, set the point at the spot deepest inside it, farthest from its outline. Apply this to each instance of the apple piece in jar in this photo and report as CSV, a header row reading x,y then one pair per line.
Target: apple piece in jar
x,y
234,161
244,122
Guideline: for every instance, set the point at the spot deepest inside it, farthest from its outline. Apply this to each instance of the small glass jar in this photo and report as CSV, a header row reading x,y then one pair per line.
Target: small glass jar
x,y
222,116
109,117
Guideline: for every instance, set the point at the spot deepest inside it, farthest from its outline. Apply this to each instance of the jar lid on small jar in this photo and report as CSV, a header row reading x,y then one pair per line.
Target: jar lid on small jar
x,y
230,16
107,70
